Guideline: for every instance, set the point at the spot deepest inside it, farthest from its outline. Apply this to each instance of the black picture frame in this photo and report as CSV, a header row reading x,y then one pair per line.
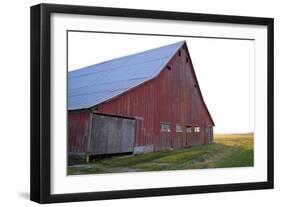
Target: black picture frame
x,y
41,96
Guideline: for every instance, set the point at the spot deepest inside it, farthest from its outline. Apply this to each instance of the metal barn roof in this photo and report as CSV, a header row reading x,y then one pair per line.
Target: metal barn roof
x,y
92,85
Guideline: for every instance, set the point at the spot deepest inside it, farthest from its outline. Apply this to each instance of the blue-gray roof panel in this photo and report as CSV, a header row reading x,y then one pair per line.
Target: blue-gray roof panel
x,y
92,85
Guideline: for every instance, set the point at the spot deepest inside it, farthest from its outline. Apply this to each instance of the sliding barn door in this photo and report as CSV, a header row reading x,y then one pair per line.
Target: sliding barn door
x,y
111,135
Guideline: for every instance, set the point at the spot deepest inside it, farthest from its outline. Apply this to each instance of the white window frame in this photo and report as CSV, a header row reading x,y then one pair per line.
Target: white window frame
x,y
197,129
168,129
189,129
179,128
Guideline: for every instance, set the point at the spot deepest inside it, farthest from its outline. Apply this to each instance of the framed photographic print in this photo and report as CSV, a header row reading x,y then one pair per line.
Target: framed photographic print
x,y
122,99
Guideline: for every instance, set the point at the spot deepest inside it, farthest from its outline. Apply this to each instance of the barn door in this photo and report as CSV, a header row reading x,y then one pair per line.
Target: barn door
x,y
180,136
111,135
188,134
208,134
165,136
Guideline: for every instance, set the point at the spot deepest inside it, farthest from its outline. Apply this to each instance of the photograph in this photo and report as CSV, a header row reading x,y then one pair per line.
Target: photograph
x,y
140,102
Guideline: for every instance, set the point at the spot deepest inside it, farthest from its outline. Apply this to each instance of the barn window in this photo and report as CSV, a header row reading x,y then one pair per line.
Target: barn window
x,y
197,129
169,68
189,129
178,128
165,127
186,58
179,53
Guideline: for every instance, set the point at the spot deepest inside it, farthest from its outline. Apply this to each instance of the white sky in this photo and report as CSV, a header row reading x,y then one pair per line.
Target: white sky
x,y
224,69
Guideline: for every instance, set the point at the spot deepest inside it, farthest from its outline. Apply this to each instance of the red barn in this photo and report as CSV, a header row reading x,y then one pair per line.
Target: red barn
x,y
148,101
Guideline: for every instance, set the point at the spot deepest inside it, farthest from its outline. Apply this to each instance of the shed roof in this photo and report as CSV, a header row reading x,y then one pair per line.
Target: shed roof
x,y
94,84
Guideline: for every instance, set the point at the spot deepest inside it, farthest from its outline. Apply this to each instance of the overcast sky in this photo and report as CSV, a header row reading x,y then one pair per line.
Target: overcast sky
x,y
224,69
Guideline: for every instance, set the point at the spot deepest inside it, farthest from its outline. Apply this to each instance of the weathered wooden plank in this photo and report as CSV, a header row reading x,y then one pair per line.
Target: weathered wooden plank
x,y
128,132
111,135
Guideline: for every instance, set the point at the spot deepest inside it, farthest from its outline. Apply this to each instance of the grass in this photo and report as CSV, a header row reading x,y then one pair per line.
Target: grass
x,y
228,150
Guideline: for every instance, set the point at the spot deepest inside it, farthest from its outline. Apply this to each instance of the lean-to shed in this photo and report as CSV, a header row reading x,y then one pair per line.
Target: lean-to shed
x,y
148,101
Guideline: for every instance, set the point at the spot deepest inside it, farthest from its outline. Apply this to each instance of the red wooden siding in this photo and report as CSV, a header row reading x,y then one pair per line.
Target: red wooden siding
x,y
78,122
173,97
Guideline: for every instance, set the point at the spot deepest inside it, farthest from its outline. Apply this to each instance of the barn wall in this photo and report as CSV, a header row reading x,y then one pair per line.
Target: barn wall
x,y
78,122
173,97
